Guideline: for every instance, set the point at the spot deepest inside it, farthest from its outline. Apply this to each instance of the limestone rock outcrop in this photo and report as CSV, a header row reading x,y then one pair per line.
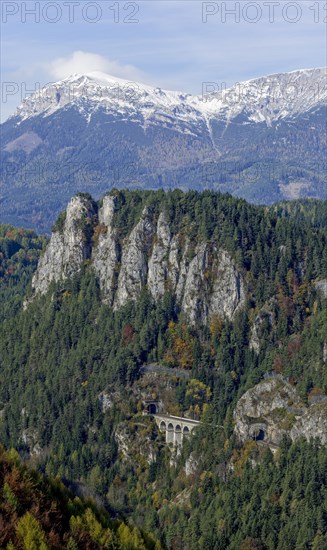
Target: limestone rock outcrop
x,y
227,281
106,253
134,260
212,285
321,287
69,245
159,263
202,275
272,409
313,423
136,441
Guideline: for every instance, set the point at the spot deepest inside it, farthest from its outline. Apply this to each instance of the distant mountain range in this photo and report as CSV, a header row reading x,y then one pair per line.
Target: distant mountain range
x,y
264,140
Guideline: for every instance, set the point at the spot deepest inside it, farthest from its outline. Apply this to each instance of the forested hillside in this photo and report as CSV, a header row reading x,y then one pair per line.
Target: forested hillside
x,y
309,211
72,388
40,513
19,253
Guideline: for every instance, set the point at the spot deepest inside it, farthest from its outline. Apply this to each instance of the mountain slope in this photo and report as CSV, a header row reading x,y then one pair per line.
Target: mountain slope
x,y
77,372
40,513
264,140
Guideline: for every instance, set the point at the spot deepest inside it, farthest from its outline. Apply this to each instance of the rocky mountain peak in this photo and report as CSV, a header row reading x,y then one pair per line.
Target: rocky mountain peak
x,y
107,210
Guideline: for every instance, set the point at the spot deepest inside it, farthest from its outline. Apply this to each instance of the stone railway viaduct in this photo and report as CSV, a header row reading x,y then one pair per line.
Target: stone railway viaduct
x,y
175,427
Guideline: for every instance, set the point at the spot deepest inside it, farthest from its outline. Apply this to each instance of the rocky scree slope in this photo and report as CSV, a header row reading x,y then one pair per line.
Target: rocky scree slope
x,y
202,276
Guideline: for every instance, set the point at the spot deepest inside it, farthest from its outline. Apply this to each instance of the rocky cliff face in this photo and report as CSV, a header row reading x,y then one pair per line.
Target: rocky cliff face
x,y
69,245
137,441
134,260
106,253
321,287
272,409
312,424
203,276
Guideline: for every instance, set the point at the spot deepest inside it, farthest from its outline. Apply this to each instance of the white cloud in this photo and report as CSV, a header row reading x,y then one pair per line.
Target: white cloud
x,y
85,62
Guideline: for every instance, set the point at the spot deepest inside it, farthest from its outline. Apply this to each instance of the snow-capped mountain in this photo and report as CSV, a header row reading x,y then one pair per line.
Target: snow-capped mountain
x,y
263,139
96,91
265,99
272,98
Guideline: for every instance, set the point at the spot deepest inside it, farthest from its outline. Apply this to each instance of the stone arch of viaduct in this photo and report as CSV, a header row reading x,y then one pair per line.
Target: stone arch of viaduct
x,y
176,428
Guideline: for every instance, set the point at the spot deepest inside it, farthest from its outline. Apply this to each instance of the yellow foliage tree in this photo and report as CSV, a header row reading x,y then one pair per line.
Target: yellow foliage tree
x,y
130,539
180,346
199,394
30,533
216,325
89,524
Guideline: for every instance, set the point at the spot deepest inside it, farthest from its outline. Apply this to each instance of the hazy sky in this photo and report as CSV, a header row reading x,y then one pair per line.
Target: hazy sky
x,y
173,44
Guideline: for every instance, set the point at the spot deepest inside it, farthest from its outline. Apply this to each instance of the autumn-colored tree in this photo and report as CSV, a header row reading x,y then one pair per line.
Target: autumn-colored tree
x,y
293,346
216,325
30,533
128,334
198,395
89,524
181,346
278,364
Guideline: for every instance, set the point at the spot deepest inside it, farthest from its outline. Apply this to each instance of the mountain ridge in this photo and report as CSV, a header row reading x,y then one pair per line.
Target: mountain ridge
x,y
264,140
79,84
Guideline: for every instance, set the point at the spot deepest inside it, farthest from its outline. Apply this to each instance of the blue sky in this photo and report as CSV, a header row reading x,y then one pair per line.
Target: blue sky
x,y
173,44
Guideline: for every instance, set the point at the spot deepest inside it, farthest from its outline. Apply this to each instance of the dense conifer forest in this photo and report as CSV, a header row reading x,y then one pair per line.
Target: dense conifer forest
x,y
68,349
